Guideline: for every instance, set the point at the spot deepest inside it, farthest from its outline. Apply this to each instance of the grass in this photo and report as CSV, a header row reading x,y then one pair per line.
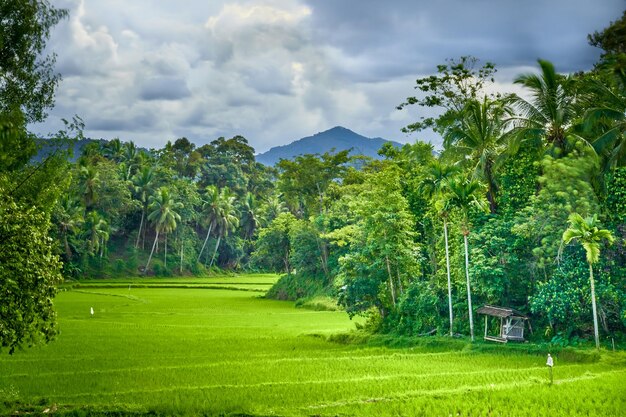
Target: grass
x,y
173,350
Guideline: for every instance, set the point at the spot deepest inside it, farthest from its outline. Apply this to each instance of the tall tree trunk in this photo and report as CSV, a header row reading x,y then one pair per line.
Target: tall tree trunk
x,y
391,285
152,252
469,292
492,188
206,239
445,234
143,212
165,251
593,305
182,243
68,251
217,245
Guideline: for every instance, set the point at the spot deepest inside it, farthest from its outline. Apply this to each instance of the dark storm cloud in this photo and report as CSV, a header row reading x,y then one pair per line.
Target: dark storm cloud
x,y
405,36
164,88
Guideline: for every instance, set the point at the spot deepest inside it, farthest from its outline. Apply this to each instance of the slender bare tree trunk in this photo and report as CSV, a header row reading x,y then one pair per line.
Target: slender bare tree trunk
x,y
140,227
217,245
445,234
469,292
165,251
182,243
391,286
152,251
593,305
206,239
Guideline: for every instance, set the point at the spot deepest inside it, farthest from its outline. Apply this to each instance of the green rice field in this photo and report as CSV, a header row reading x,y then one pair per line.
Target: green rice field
x,y
214,346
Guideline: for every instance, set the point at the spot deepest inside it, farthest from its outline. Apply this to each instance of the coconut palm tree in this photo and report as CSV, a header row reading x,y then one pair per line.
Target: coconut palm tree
x,y
210,208
480,138
463,195
97,230
113,150
163,215
434,186
143,183
249,220
551,112
70,216
227,219
90,178
611,112
587,233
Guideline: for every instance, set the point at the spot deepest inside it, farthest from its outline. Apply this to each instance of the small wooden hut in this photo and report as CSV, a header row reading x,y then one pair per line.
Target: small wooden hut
x,y
512,323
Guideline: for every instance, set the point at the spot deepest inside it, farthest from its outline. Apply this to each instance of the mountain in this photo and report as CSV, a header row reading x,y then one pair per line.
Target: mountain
x,y
45,147
338,138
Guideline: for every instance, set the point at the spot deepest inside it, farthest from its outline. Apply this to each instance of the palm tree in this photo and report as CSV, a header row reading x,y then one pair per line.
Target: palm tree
x,y
130,155
552,110
249,220
226,219
163,216
90,182
464,195
113,150
434,186
586,231
69,215
210,208
97,233
481,139
143,183
611,143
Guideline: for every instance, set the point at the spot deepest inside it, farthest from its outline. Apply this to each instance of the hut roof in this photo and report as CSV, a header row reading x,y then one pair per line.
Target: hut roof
x,y
500,311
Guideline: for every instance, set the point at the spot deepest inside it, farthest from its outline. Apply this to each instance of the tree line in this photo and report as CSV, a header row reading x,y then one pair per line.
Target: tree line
x,y
414,241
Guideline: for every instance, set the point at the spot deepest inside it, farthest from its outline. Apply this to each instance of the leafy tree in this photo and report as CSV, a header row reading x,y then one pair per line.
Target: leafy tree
x,y
611,39
29,269
383,256
27,80
273,248
29,273
565,188
304,180
464,195
586,231
457,82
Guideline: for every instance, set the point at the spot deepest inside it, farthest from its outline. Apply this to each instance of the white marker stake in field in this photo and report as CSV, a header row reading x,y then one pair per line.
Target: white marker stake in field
x,y
91,311
550,365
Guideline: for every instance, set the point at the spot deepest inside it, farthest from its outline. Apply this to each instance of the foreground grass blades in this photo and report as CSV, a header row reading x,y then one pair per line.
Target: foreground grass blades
x,y
191,351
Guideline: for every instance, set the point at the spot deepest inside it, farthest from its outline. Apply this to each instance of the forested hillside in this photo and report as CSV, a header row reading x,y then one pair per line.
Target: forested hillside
x,y
413,241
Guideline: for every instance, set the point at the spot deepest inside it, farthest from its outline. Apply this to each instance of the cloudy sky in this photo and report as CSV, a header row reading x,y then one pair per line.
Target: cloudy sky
x,y
277,70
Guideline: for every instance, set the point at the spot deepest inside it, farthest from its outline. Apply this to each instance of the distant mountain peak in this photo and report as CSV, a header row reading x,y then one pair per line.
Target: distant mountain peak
x,y
338,138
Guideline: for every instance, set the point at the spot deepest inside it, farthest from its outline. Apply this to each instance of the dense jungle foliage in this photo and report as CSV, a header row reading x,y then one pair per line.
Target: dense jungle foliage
x,y
412,241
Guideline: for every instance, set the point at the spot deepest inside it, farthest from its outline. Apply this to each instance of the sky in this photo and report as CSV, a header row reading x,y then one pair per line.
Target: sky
x,y
274,71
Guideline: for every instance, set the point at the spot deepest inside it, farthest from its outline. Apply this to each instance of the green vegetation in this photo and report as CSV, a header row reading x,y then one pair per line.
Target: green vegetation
x,y
190,351
351,235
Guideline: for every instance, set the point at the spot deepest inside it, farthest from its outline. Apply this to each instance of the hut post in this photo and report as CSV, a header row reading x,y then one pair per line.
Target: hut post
x,y
485,326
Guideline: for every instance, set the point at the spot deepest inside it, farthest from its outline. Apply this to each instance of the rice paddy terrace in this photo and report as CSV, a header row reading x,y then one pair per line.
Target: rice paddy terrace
x,y
214,346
